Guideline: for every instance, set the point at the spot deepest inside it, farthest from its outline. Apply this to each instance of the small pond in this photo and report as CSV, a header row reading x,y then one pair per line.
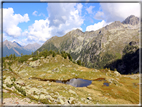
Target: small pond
x,y
106,84
76,82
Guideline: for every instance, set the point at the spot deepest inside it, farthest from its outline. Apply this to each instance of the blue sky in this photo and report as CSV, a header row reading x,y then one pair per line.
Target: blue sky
x,y
37,22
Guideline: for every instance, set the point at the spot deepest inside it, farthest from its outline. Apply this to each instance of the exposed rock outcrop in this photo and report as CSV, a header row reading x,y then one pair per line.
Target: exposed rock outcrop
x,y
132,20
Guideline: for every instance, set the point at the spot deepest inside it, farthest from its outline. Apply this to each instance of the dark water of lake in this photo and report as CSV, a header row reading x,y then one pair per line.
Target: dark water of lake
x,y
106,84
76,82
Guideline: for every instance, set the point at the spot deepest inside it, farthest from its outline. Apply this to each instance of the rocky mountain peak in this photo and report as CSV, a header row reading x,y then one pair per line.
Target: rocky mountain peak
x,y
132,20
114,25
6,42
32,47
76,30
17,43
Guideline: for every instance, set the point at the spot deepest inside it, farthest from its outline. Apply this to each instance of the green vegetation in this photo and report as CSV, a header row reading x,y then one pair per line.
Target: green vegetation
x,y
105,59
9,85
4,64
24,58
21,54
129,49
10,69
13,79
9,63
65,55
35,58
130,60
53,54
67,70
20,89
79,62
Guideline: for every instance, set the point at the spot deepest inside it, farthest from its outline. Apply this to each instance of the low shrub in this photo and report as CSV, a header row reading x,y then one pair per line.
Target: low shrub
x,y
79,62
10,69
35,58
9,85
20,89
53,54
24,58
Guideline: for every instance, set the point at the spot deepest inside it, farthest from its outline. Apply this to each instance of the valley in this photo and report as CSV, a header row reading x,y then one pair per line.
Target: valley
x,y
78,68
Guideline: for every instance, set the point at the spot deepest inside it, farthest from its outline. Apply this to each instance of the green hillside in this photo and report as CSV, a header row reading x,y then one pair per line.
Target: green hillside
x,y
32,77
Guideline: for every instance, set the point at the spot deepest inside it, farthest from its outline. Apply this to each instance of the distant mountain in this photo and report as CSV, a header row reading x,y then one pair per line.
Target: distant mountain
x,y
15,48
32,47
132,20
17,44
96,48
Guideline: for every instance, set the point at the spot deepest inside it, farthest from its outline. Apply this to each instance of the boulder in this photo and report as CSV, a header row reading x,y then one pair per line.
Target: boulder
x,y
42,96
83,99
45,60
49,97
35,63
89,98
8,80
72,92
113,81
20,82
49,71
68,66
33,91
60,100
117,73
30,59
70,100
55,70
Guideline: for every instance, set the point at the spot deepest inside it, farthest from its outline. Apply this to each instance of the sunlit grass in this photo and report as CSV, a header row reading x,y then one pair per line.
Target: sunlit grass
x,y
112,94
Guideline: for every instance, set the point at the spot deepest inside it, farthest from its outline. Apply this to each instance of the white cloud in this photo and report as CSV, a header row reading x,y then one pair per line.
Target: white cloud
x,y
79,7
41,14
119,11
39,31
35,13
96,26
99,15
63,17
11,21
89,9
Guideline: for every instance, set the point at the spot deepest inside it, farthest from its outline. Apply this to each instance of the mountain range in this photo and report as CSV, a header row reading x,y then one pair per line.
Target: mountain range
x,y
114,46
50,77
15,48
98,48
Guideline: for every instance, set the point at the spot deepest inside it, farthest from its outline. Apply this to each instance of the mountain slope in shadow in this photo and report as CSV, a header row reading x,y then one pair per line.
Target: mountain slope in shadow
x,y
130,60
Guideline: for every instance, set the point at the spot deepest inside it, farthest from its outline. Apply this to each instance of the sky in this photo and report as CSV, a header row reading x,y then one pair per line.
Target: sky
x,y
37,22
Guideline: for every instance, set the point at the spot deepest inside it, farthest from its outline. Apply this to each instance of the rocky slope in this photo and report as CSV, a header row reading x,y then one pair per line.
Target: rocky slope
x,y
132,20
97,48
129,63
35,82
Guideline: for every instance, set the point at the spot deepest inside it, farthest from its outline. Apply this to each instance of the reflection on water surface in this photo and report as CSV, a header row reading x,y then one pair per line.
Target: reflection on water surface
x,y
76,82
